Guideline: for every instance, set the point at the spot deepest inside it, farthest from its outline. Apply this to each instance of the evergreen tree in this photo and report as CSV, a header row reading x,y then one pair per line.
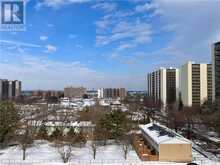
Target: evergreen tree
x,y
71,133
8,120
57,134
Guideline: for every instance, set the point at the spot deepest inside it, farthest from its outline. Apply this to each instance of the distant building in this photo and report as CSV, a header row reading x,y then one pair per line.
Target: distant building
x,y
195,83
74,92
216,71
112,93
137,92
92,93
45,94
163,85
4,89
9,89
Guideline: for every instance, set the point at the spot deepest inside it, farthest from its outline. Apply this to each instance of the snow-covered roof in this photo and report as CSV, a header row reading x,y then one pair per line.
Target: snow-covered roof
x,y
62,124
162,135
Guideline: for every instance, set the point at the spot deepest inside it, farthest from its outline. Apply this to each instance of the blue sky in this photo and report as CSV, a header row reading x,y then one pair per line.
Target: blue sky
x,y
112,43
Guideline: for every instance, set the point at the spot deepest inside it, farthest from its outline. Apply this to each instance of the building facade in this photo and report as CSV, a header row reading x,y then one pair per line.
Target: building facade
x,y
112,93
74,92
195,83
44,94
157,142
216,71
163,85
9,89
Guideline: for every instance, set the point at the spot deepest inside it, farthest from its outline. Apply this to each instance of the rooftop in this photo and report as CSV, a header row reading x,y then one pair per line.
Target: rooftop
x,y
162,135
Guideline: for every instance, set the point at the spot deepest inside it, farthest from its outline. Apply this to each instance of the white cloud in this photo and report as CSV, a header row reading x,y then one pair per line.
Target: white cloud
x,y
50,48
42,73
194,26
105,6
151,8
43,38
11,42
37,72
57,3
146,7
124,46
122,27
135,32
102,24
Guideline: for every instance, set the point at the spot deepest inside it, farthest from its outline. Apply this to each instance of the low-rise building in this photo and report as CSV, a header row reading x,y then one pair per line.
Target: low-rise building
x,y
157,142
74,92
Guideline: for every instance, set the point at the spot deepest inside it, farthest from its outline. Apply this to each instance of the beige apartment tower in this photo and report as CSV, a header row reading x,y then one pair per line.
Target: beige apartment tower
x,y
112,93
195,83
163,85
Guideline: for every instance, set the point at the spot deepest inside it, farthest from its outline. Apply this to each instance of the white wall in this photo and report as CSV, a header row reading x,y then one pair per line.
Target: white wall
x,y
163,86
203,83
186,84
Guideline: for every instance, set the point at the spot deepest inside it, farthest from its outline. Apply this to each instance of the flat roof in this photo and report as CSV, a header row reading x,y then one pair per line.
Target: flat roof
x,y
163,135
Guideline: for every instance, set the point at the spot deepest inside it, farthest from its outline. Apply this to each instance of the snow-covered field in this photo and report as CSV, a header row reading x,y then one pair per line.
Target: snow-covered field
x,y
44,153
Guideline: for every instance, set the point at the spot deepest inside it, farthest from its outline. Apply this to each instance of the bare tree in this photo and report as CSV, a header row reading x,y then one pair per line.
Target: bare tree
x,y
65,151
175,117
94,143
125,137
189,116
25,137
126,146
93,113
94,148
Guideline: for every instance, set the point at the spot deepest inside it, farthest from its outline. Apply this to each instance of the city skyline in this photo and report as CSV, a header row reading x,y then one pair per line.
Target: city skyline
x,y
106,44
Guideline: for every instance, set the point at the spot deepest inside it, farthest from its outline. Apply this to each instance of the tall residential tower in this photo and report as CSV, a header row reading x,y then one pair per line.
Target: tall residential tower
x,y
112,93
163,85
195,83
9,89
216,71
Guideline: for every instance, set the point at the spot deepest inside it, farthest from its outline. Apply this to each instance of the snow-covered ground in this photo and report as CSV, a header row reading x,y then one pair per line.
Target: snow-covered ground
x,y
44,153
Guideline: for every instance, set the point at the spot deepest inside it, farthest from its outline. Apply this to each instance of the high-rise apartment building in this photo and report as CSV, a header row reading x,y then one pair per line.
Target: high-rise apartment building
x,y
4,89
112,93
163,85
1,87
17,88
195,83
216,71
9,89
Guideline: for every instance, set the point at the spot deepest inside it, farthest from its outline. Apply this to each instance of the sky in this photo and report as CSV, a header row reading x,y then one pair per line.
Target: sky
x,y
109,43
